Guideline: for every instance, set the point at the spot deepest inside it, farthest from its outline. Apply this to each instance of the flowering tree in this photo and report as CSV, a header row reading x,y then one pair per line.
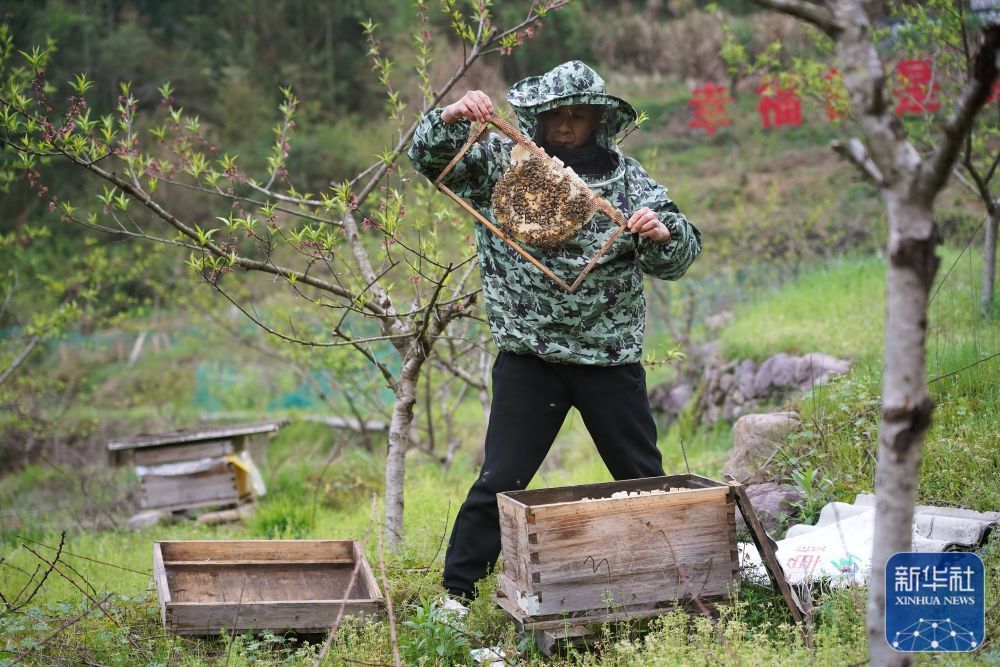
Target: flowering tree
x,y
908,183
380,280
939,34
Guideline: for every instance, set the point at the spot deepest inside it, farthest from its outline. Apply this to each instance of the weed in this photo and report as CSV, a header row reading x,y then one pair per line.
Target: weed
x,y
282,518
436,636
816,492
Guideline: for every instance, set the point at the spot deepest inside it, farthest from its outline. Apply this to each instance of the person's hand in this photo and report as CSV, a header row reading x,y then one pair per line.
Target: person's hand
x,y
645,222
474,105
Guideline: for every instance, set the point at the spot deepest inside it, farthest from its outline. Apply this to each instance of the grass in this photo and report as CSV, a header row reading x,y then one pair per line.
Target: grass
x,y
837,310
842,418
307,499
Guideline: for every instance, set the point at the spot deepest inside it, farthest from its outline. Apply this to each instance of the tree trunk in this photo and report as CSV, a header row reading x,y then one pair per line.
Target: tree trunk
x,y
990,259
399,443
906,403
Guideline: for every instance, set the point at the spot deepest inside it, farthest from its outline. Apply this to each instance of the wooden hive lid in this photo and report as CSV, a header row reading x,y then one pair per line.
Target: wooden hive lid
x,y
195,434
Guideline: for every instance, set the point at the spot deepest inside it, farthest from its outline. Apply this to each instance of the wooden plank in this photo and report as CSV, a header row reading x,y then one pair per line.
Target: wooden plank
x,y
196,433
616,563
215,484
257,550
672,529
763,543
528,603
709,580
734,552
304,617
592,617
536,497
261,563
160,577
514,543
712,564
151,456
634,505
215,504
275,583
552,642
365,576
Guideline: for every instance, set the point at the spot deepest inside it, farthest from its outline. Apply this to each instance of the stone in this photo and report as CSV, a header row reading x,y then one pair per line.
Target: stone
x,y
785,371
731,389
244,511
746,370
772,503
670,400
150,518
756,439
719,320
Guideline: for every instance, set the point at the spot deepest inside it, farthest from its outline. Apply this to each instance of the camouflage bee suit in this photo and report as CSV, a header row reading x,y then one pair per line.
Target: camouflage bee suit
x,y
602,323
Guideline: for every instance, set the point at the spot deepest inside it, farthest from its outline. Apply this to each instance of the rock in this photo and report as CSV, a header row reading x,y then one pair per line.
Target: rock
x,y
150,518
770,503
746,370
756,438
710,350
670,399
239,513
785,371
731,389
719,320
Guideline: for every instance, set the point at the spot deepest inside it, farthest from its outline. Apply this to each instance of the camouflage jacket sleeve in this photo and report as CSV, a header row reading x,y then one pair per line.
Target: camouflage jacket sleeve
x,y
670,259
435,143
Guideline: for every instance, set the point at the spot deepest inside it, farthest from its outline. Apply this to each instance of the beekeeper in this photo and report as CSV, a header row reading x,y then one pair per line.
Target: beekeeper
x,y
558,350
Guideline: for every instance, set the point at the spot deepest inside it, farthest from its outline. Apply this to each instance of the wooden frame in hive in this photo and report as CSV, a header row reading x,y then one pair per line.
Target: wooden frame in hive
x,y
576,184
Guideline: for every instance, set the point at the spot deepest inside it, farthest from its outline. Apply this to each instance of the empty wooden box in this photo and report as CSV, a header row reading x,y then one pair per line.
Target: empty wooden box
x,y
278,585
578,549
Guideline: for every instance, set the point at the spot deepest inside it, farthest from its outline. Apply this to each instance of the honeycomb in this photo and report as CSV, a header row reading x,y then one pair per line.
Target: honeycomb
x,y
540,202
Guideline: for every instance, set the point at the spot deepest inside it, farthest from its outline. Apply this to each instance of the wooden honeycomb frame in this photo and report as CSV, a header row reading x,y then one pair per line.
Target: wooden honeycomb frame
x,y
602,205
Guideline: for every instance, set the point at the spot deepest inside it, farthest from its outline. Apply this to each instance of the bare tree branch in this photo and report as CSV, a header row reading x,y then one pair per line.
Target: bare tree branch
x,y
865,78
976,186
23,653
459,372
19,359
854,151
242,262
819,15
18,603
934,172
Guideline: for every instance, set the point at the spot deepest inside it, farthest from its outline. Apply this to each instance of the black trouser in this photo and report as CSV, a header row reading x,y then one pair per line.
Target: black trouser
x,y
530,400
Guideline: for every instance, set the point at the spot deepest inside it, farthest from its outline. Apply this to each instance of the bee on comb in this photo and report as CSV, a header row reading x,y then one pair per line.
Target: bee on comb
x,y
540,202
544,216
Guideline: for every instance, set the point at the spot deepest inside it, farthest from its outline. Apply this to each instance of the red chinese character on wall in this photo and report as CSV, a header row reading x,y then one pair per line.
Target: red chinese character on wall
x,y
994,92
833,91
778,106
708,105
918,87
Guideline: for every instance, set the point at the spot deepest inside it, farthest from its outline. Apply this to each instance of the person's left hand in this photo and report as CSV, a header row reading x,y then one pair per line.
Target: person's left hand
x,y
645,222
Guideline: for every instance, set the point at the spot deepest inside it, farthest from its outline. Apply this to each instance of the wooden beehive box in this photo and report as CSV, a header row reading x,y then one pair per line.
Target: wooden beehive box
x,y
210,481
279,585
566,555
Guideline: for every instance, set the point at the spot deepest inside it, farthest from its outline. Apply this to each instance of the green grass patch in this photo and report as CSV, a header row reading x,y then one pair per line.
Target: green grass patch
x,y
836,309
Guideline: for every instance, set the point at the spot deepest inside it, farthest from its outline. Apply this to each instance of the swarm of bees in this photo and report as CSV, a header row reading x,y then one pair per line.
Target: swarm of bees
x,y
540,202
